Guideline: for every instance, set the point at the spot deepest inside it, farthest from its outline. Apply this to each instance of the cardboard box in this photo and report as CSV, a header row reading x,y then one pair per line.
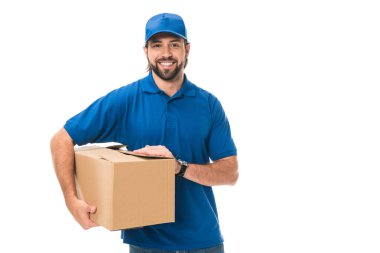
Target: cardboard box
x,y
128,191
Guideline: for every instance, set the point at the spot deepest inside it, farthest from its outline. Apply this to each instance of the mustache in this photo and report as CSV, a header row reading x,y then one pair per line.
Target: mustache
x,y
166,59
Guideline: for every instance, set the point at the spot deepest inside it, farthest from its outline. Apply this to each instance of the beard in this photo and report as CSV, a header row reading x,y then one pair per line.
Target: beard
x,y
166,74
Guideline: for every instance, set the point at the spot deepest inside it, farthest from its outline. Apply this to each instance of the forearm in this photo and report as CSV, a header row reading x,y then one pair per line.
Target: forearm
x,y
221,172
62,151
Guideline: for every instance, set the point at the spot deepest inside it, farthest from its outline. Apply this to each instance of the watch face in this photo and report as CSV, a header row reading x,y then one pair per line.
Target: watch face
x,y
183,163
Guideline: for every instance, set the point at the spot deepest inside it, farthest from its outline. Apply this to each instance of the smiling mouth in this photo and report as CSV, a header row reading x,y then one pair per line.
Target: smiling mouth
x,y
166,64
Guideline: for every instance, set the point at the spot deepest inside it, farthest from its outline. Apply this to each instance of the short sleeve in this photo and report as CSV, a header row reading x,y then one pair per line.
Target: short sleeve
x,y
100,122
220,142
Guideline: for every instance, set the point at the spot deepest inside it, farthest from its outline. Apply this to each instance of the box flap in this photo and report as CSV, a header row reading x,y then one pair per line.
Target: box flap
x,y
110,145
114,154
141,155
109,155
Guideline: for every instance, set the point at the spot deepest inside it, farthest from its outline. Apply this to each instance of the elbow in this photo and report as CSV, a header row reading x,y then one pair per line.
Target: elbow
x,y
233,171
234,179
61,139
234,176
53,142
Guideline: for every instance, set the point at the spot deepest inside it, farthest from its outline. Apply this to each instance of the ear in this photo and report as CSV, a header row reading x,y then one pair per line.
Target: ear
x,y
187,48
145,50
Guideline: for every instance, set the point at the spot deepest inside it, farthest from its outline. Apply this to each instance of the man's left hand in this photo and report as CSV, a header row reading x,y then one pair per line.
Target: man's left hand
x,y
157,151
154,151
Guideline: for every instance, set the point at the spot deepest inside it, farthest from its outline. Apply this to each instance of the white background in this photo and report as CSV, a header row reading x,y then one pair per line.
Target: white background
x,y
299,81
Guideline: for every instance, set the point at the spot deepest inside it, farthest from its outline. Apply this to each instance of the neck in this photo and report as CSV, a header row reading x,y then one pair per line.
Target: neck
x,y
169,87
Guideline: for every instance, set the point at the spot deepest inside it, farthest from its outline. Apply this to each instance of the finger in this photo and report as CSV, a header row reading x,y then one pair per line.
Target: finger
x,y
90,224
158,150
92,209
144,151
138,151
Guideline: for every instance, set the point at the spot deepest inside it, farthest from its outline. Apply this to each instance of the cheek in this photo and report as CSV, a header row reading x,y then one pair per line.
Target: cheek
x,y
184,59
151,58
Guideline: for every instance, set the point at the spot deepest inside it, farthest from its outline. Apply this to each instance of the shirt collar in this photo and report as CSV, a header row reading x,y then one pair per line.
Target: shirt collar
x,y
149,85
187,89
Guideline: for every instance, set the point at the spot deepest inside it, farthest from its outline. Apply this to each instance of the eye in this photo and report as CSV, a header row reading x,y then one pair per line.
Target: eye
x,y
156,45
175,45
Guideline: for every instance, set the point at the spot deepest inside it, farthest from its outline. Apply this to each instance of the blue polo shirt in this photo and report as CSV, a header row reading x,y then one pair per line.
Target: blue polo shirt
x,y
191,124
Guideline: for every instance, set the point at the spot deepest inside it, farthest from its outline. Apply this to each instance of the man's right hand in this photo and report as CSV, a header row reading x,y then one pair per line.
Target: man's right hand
x,y
62,150
81,212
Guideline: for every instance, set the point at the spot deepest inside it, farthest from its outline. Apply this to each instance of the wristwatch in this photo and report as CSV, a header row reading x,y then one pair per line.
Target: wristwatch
x,y
183,169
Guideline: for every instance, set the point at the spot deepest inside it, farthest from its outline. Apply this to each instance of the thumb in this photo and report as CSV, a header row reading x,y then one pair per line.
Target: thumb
x,y
91,209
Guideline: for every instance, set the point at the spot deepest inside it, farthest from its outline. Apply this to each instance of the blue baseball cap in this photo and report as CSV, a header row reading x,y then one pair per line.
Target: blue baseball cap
x,y
165,23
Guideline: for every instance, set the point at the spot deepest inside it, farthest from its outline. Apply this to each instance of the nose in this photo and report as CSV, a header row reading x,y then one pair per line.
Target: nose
x,y
166,51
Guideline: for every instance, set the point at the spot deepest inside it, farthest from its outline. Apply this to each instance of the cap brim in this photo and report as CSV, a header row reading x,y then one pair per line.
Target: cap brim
x,y
166,31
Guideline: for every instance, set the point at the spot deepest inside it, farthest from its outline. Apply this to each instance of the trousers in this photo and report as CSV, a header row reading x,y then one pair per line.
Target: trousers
x,y
215,249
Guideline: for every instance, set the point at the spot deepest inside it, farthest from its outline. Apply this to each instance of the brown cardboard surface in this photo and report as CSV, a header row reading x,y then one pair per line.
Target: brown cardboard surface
x,y
128,191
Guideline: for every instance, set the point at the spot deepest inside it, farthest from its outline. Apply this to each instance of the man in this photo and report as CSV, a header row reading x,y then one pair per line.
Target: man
x,y
162,114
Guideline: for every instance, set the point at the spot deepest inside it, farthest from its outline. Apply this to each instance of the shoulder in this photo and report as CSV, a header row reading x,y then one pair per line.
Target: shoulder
x,y
208,97
126,91
203,94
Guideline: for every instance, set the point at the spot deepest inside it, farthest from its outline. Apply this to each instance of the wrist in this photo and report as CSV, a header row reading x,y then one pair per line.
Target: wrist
x,y
181,168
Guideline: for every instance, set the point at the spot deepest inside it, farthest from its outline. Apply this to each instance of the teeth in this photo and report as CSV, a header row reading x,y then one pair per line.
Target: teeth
x,y
166,63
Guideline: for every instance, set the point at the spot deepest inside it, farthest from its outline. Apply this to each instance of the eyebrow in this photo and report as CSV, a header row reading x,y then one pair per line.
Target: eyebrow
x,y
160,41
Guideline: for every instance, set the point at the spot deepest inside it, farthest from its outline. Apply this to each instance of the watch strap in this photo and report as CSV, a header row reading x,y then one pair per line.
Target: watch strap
x,y
183,168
